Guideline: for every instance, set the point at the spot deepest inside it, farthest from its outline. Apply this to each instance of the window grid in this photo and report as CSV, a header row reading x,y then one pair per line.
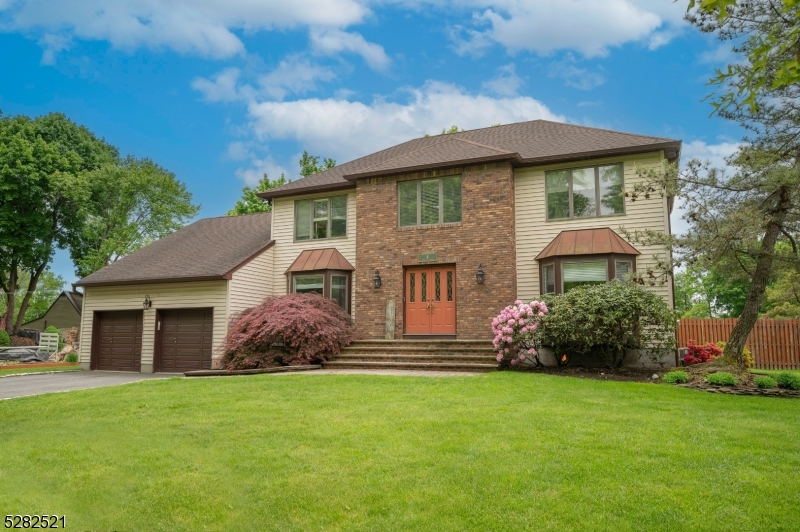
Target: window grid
x,y
331,221
423,199
597,198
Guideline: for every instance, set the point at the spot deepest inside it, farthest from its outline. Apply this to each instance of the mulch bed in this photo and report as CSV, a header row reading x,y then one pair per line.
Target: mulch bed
x,y
21,341
603,374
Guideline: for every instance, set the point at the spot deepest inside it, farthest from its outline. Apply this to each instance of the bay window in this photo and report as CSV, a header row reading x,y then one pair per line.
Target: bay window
x,y
559,275
332,284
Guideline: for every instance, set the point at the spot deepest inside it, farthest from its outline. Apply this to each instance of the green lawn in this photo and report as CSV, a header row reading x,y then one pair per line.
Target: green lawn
x,y
773,372
8,370
502,451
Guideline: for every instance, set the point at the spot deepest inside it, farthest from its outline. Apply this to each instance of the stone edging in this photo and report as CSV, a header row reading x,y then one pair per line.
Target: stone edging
x,y
728,390
225,373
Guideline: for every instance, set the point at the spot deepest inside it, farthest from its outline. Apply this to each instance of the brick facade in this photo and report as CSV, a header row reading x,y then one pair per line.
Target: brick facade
x,y
485,235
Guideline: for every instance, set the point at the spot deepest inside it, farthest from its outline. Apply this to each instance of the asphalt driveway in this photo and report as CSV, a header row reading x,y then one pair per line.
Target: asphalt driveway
x,y
70,380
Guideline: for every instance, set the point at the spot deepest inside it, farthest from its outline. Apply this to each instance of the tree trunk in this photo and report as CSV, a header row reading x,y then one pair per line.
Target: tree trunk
x,y
11,290
734,348
27,298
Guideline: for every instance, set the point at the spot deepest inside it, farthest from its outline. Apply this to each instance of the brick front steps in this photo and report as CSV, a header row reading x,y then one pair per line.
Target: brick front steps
x,y
432,355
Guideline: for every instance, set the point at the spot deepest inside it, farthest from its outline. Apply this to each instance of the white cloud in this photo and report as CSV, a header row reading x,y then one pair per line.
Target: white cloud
x,y
202,27
334,41
574,76
506,83
258,167
713,153
346,130
52,45
293,75
590,27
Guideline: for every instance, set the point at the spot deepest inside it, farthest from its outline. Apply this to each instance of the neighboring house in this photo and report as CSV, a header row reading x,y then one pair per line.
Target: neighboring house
x,y
536,207
63,314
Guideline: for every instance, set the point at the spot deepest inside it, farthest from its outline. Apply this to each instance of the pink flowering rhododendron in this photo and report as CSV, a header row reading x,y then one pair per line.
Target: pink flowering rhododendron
x,y
516,332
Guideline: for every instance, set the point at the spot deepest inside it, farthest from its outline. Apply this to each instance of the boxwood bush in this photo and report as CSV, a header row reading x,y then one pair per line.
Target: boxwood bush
x,y
765,382
722,378
676,377
609,318
787,379
295,330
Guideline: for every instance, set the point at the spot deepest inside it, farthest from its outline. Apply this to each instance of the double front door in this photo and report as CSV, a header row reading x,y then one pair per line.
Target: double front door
x,y
430,300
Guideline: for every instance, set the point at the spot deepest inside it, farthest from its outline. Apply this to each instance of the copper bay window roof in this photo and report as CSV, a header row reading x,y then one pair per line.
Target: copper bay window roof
x,y
320,259
587,242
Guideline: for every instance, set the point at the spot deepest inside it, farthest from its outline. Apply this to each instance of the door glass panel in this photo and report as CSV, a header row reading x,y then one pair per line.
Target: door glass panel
x,y
449,286
411,286
549,273
611,193
437,282
339,216
339,290
302,220
581,273
407,192
429,203
424,287
451,198
583,198
309,284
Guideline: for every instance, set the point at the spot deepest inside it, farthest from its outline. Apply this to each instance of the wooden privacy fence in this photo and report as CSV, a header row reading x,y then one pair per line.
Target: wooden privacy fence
x,y
775,344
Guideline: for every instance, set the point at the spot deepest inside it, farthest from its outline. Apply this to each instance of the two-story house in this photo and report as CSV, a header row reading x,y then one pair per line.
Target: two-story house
x,y
427,239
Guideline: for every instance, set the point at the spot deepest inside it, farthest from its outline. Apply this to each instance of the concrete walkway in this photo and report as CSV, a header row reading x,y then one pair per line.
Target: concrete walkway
x,y
26,385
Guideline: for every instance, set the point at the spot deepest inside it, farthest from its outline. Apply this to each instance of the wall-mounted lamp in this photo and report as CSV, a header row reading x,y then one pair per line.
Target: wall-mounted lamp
x,y
377,279
147,303
479,276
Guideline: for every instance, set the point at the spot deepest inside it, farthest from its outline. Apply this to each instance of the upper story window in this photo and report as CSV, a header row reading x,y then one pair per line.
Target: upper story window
x,y
585,192
320,218
429,201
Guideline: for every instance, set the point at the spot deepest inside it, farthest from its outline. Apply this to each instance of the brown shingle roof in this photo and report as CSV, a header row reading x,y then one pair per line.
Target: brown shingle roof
x,y
525,143
320,259
208,249
586,242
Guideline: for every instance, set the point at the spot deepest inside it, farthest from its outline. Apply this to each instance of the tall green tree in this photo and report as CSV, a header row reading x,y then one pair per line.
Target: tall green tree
x,y
310,165
44,164
47,290
250,203
131,203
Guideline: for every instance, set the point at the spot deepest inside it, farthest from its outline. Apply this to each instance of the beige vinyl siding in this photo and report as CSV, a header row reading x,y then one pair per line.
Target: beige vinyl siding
x,y
534,232
251,283
164,296
61,315
287,250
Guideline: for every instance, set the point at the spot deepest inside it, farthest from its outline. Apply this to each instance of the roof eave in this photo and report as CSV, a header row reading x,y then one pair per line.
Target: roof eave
x,y
328,187
165,280
565,158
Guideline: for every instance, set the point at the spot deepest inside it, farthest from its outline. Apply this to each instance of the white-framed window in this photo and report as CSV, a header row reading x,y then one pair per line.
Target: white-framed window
x,y
429,201
585,192
320,218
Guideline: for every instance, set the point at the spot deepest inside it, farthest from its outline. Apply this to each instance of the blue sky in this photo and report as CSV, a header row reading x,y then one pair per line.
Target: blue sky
x,y
220,92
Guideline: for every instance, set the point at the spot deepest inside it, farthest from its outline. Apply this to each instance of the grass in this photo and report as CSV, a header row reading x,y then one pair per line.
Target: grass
x,y
8,370
503,451
773,372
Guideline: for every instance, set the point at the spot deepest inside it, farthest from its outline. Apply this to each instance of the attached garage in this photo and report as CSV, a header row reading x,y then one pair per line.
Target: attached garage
x,y
167,306
118,341
185,339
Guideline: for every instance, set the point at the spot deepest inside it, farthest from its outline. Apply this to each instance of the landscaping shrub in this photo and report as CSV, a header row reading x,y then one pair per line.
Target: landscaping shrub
x,y
722,378
765,382
787,379
747,355
5,339
610,318
698,354
676,377
52,329
516,334
295,329
72,358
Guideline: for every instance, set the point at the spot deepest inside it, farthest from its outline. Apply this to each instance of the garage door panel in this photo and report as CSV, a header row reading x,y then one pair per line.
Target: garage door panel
x,y
120,341
186,340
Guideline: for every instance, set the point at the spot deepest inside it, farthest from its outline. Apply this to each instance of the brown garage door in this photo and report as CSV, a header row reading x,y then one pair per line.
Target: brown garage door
x,y
186,336
119,340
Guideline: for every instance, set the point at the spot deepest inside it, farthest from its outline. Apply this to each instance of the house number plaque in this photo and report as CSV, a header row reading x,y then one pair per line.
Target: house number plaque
x,y
427,257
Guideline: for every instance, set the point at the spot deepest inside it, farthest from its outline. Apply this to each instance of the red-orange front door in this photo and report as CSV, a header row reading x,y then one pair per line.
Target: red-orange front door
x,y
430,300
